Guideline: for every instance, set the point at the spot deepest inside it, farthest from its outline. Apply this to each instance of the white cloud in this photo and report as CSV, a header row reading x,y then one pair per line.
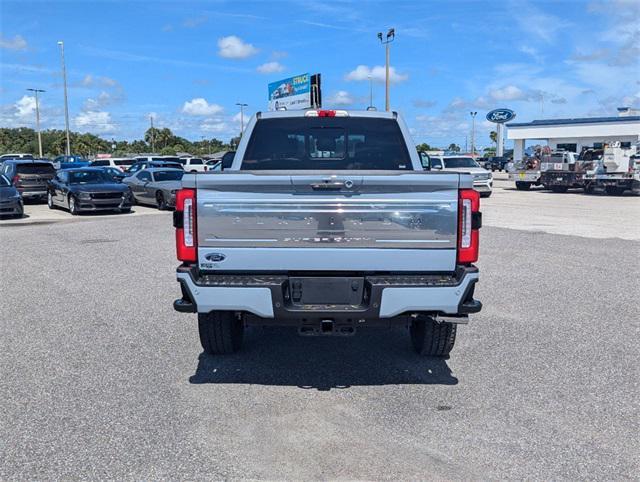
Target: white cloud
x,y
98,81
214,125
342,97
509,92
377,73
16,43
423,103
233,47
279,54
200,106
103,99
270,68
95,121
25,107
537,23
533,52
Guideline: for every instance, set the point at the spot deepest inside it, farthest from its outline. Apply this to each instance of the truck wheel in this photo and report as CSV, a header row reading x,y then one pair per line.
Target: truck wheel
x,y
614,190
559,189
220,332
523,186
430,338
588,188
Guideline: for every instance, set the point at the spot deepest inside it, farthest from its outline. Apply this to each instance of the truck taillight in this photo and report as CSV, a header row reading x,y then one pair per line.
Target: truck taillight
x,y
469,222
16,179
184,220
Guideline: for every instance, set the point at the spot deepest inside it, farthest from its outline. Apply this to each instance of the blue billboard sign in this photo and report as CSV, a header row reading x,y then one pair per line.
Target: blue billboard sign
x,y
291,93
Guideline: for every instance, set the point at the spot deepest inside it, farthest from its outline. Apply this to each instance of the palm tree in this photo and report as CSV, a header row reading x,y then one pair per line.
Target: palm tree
x,y
493,135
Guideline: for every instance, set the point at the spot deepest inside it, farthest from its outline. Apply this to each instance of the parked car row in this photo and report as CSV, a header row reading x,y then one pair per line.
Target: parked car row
x,y
482,180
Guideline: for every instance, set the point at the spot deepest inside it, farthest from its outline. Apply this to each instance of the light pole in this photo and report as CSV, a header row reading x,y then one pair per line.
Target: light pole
x,y
38,119
391,35
66,103
370,90
152,135
473,133
242,106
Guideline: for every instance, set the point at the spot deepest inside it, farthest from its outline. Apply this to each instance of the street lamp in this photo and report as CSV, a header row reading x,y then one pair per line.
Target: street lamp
x,y
242,106
66,103
473,133
36,91
391,35
370,77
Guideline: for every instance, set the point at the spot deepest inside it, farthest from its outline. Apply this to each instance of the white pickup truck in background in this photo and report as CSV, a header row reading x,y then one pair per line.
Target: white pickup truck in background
x,y
327,222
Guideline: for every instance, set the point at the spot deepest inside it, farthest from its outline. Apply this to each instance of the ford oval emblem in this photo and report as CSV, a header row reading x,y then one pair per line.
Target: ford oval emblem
x,y
500,116
215,257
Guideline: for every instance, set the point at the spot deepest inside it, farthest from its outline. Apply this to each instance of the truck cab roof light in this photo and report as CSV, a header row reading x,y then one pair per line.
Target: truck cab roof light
x,y
326,113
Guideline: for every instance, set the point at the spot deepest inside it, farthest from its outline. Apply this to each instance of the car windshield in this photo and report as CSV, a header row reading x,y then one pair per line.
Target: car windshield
x,y
160,176
333,143
456,162
35,168
88,177
4,182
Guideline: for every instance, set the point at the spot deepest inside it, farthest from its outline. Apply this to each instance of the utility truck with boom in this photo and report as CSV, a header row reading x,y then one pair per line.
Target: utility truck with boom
x,y
327,222
619,170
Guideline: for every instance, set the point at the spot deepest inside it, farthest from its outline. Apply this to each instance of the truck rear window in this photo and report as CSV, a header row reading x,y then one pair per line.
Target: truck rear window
x,y
35,168
331,143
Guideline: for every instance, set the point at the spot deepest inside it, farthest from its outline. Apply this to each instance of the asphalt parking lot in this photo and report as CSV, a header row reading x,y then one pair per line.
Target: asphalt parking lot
x,y
102,379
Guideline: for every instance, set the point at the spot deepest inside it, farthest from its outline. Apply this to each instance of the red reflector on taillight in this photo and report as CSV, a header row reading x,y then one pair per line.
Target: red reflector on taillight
x,y
326,113
468,234
186,234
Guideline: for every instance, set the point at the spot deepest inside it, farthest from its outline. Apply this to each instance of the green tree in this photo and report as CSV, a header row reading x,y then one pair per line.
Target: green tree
x,y
424,147
493,135
168,151
453,147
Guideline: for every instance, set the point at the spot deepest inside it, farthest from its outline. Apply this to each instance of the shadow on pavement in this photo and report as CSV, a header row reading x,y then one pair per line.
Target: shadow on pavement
x,y
279,356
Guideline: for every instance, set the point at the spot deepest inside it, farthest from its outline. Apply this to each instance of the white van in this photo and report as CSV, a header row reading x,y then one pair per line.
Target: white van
x,y
194,164
121,163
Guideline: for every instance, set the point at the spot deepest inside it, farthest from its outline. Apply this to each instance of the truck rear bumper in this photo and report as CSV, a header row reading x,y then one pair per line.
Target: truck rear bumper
x,y
287,299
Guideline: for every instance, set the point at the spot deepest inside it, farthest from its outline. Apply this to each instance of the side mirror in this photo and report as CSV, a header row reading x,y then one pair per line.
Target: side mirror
x,y
425,160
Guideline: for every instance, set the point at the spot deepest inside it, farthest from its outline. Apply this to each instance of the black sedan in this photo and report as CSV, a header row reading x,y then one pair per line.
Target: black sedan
x,y
88,189
10,199
156,186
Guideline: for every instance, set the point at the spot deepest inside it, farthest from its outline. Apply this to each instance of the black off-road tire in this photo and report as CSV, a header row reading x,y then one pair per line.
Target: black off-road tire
x,y
523,186
220,332
614,190
430,338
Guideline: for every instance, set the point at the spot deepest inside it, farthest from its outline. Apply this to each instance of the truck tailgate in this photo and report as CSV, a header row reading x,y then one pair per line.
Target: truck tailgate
x,y
352,221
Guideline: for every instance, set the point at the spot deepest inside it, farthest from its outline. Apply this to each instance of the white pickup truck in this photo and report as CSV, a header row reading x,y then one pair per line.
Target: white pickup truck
x,y
327,222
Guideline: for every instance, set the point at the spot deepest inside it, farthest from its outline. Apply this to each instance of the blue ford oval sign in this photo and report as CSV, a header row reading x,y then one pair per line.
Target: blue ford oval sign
x,y
501,115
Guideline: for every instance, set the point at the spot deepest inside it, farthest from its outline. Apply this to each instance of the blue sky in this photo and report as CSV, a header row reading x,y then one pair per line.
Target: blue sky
x,y
188,63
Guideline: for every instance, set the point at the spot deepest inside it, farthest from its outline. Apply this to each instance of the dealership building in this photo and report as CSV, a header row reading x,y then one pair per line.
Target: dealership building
x,y
574,134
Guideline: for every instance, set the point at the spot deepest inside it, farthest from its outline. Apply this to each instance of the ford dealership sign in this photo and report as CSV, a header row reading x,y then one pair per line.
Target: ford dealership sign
x,y
500,116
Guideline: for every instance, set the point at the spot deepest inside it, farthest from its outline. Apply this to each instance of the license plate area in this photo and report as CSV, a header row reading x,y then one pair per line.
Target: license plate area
x,y
305,291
